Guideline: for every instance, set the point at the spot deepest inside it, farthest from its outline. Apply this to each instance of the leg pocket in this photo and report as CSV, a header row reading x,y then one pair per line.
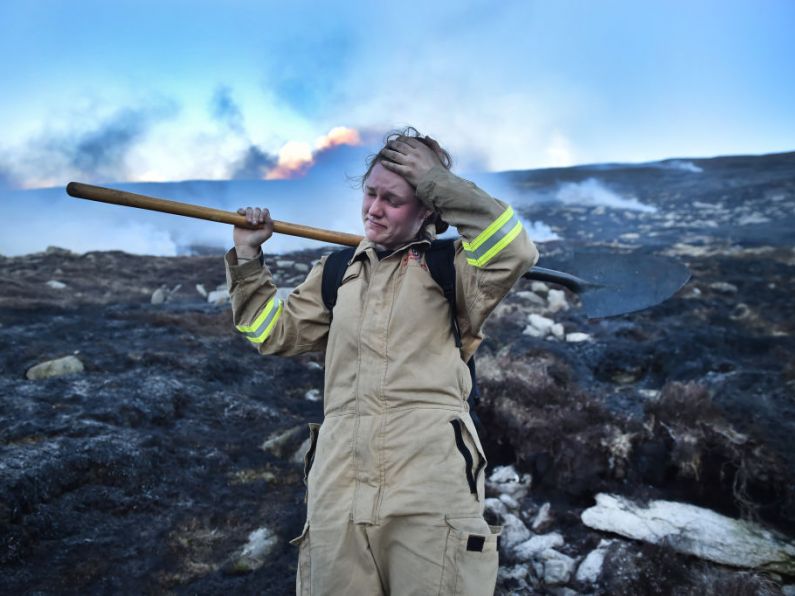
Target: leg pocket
x,y
302,575
470,557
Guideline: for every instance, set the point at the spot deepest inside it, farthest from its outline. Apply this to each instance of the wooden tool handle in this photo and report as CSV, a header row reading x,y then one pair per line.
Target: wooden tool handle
x,y
131,199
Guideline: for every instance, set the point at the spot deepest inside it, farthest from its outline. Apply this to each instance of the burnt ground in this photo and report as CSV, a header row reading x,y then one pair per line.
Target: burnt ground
x,y
144,473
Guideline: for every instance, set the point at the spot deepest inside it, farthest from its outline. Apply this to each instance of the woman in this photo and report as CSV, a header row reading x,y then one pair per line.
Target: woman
x,y
395,472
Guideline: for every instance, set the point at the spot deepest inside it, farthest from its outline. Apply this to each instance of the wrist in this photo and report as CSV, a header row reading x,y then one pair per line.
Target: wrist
x,y
247,253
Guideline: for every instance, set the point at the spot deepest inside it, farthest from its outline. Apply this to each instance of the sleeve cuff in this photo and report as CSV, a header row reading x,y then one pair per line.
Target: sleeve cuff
x,y
427,184
244,269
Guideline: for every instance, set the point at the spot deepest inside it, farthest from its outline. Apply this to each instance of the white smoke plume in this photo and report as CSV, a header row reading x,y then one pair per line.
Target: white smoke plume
x,y
592,192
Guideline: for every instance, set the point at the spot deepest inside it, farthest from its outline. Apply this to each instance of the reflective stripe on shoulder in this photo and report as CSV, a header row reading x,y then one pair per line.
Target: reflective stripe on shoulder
x,y
262,326
493,239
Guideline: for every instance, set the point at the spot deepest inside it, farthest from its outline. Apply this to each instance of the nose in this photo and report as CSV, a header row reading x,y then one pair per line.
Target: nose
x,y
376,208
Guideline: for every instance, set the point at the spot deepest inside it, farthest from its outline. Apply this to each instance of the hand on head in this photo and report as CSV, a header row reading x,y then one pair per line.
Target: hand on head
x,y
411,157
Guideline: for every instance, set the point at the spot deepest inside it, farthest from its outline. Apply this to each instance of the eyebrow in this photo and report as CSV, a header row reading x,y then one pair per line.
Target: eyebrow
x,y
388,194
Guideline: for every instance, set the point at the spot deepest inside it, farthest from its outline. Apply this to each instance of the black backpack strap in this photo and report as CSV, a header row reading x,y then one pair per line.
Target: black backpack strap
x,y
440,257
333,271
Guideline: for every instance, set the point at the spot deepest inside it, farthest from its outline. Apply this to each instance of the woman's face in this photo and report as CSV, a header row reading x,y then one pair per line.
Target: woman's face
x,y
391,212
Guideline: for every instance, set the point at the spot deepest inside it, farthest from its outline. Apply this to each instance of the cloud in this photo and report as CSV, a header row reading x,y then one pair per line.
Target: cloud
x,y
295,159
101,152
306,76
5,180
339,135
225,110
559,152
96,153
254,164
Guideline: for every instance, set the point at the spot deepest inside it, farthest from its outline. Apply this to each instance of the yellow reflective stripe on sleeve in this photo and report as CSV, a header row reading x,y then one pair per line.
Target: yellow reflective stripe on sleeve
x,y
489,232
505,241
493,239
262,326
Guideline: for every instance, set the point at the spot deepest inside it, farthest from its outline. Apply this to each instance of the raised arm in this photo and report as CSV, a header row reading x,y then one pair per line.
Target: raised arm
x,y
494,250
274,326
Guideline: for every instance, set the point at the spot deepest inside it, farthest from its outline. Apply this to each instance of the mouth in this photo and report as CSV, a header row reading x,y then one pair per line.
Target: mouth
x,y
376,225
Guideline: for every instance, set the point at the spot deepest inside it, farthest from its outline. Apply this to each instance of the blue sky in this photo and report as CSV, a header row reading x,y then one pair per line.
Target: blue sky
x,y
175,90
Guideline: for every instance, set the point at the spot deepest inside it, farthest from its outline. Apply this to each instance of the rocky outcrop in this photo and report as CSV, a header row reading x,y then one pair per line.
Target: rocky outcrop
x,y
55,368
693,531
254,554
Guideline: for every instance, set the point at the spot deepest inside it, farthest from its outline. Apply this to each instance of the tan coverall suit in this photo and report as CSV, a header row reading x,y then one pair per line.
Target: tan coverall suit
x,y
395,472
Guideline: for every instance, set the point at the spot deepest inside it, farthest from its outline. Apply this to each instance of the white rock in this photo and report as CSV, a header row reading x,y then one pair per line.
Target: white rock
x,y
301,267
753,218
513,531
201,290
531,297
159,296
694,531
495,506
220,287
505,479
286,263
218,296
543,324
56,285
564,591
557,567
314,394
55,368
788,590
502,474
539,287
277,442
260,544
516,572
542,518
509,501
649,393
557,300
557,330
533,331
577,337
591,567
537,544
723,287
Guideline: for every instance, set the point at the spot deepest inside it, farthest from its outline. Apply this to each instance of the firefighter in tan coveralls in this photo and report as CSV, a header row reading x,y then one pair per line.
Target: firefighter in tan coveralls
x,y
395,472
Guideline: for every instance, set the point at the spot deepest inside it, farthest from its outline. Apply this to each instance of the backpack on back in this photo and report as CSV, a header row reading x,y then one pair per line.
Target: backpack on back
x,y
440,260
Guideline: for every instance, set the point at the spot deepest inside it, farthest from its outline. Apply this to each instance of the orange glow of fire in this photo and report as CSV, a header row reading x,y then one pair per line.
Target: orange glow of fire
x,y
296,158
